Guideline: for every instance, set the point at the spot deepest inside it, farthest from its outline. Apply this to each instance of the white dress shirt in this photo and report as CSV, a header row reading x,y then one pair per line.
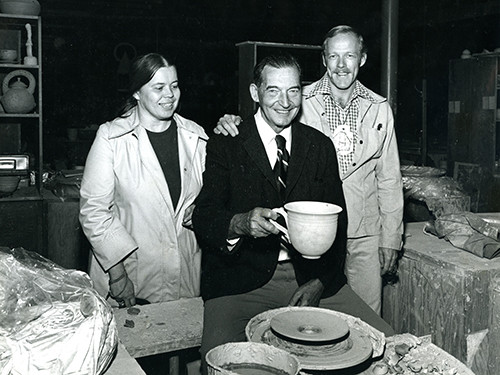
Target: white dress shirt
x,y
268,135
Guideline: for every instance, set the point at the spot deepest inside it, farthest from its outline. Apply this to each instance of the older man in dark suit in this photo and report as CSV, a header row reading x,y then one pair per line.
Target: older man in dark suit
x,y
245,267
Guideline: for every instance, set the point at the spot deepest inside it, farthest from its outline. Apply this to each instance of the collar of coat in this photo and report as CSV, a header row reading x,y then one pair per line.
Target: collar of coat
x,y
130,124
322,87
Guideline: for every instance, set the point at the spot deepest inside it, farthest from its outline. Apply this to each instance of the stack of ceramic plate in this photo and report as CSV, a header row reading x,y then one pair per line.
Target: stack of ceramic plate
x,y
321,339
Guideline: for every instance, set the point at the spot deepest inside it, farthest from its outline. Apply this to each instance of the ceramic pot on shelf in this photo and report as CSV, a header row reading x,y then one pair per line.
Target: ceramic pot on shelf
x,y
17,97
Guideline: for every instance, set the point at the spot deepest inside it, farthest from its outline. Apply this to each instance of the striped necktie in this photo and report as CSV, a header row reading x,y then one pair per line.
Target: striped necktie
x,y
281,166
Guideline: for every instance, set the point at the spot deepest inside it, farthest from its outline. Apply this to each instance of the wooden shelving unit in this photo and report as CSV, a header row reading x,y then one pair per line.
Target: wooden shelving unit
x,y
22,213
32,123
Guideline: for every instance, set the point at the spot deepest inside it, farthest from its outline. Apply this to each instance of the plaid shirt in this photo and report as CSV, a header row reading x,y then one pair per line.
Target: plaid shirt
x,y
337,115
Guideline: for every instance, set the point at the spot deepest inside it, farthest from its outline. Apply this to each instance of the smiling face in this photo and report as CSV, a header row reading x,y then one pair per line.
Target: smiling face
x,y
342,58
158,99
279,96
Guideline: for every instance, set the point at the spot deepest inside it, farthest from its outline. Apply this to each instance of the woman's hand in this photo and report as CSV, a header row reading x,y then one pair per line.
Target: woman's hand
x,y
121,288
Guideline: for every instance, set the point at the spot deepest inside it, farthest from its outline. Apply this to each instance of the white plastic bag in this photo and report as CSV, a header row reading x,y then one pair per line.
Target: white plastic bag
x,y
51,319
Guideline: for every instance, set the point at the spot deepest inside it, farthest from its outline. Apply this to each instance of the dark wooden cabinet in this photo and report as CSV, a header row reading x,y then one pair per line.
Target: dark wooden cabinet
x,y
66,244
46,225
474,127
22,223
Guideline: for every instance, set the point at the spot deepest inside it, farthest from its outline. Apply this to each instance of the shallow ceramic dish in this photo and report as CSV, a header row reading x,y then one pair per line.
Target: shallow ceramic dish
x,y
304,325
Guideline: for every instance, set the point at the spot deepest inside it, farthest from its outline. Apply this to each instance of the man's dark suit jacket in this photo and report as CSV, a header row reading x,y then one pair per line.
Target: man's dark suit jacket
x,y
238,178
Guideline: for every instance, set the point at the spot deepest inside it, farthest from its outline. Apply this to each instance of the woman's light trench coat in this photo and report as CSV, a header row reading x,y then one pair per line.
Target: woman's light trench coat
x,y
127,214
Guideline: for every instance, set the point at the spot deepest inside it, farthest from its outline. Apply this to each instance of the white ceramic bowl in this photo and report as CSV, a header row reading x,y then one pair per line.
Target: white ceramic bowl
x,y
8,54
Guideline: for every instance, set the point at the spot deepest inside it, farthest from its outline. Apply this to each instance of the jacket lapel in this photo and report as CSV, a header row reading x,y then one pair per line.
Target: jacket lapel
x,y
189,139
255,149
298,155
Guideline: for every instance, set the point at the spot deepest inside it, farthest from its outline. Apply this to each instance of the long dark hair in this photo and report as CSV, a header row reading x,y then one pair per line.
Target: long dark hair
x,y
143,69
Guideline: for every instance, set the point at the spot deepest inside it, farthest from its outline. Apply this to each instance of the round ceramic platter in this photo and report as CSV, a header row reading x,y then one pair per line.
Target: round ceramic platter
x,y
306,325
353,350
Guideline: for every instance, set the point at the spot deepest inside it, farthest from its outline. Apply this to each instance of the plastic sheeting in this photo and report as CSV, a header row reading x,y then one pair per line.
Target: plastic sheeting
x,y
442,195
467,231
51,319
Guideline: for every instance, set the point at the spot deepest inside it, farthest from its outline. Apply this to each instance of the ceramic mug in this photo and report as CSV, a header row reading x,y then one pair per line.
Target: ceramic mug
x,y
312,226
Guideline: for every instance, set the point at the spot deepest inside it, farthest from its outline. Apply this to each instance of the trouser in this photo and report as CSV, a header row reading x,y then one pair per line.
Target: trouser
x,y
225,318
362,268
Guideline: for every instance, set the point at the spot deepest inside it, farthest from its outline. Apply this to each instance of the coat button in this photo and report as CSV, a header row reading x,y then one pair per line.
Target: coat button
x,y
360,141
353,164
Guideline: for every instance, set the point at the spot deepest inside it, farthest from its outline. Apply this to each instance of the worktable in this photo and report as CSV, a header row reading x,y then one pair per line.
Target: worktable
x,y
451,294
171,326
161,328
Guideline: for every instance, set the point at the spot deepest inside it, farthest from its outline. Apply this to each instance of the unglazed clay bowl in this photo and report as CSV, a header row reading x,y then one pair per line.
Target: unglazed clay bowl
x,y
8,54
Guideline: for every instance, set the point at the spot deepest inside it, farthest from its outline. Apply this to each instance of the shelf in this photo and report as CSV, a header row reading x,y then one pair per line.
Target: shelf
x,y
19,115
18,16
18,66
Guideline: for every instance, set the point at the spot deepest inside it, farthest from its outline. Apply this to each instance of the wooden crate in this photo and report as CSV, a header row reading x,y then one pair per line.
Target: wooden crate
x,y
452,295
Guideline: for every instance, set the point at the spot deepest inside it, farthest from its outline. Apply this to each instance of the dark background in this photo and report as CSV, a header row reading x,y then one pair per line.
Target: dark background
x,y
84,43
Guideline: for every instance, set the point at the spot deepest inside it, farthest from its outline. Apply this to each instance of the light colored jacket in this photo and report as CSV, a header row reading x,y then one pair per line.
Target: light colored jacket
x,y
372,186
127,214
